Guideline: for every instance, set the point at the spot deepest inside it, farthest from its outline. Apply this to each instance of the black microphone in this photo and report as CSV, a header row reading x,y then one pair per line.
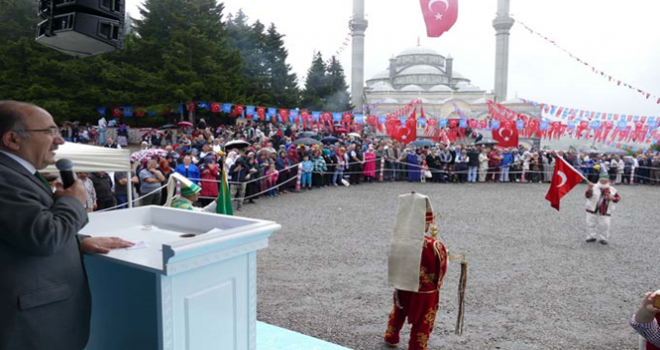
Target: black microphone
x,y
67,175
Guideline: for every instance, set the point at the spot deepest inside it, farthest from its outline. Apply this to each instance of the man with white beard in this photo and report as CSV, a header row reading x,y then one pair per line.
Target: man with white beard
x,y
601,199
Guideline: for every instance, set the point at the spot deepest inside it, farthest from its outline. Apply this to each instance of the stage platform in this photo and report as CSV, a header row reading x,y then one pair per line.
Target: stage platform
x,y
275,338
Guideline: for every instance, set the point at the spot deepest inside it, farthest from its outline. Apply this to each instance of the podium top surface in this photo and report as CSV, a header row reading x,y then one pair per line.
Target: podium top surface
x,y
167,235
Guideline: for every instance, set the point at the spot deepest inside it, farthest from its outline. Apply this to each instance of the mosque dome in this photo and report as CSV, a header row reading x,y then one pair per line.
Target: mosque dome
x,y
382,87
412,88
380,76
421,69
418,50
481,101
441,88
469,88
389,100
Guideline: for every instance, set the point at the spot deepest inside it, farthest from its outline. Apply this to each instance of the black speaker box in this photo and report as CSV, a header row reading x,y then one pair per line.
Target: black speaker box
x,y
81,34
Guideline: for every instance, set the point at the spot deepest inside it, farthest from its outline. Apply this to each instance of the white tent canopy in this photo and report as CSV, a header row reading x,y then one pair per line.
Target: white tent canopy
x,y
88,158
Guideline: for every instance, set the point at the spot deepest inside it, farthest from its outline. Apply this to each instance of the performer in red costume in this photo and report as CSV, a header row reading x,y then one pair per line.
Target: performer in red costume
x,y
416,266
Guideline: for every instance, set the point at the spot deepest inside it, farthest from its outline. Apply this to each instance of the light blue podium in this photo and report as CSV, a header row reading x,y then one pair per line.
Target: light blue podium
x,y
192,285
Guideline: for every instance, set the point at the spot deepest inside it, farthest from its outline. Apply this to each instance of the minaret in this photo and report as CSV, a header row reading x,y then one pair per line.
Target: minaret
x,y
502,24
358,26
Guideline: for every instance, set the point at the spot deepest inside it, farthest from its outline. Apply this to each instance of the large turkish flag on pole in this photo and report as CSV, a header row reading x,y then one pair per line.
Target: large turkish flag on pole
x,y
439,15
564,180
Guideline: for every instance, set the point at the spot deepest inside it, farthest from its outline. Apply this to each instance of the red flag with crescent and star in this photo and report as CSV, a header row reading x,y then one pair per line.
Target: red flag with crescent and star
x,y
506,135
564,180
439,15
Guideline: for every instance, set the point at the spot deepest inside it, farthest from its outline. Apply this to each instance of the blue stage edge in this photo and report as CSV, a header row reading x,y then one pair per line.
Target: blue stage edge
x,y
276,338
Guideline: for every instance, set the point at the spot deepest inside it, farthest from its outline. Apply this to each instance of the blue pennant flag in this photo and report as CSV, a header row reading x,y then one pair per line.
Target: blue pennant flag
x,y
520,125
653,125
226,108
316,116
610,116
250,110
422,121
634,149
494,124
294,113
403,120
337,117
203,105
359,118
595,125
636,118
571,125
442,123
101,110
272,111
128,111
655,141
553,110
180,111
565,114
622,125
382,119
463,123
544,125
151,114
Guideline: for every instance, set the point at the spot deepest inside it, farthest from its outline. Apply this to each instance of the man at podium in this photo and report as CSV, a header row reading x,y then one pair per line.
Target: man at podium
x,y
45,298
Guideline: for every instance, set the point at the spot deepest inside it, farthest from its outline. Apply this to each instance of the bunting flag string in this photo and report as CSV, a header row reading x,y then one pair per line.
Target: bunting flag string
x,y
610,78
340,50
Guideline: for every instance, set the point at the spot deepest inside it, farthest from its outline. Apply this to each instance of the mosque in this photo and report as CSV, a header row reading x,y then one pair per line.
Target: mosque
x,y
425,74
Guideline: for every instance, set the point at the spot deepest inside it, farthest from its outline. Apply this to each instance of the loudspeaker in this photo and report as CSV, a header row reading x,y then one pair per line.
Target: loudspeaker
x,y
80,34
81,27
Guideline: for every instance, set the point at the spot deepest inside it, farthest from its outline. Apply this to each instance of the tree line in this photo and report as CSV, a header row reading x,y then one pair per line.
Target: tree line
x,y
176,52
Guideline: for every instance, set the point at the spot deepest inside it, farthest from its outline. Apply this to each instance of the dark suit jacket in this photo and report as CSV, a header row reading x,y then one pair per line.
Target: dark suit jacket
x,y
44,296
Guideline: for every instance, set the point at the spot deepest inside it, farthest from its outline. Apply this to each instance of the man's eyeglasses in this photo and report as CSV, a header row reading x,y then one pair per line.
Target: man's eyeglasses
x,y
53,131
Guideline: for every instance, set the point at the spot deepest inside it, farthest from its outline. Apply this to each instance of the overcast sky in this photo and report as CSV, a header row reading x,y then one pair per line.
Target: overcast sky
x,y
621,38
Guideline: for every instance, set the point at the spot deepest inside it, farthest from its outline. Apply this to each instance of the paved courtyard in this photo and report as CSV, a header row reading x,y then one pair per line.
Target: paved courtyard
x,y
533,283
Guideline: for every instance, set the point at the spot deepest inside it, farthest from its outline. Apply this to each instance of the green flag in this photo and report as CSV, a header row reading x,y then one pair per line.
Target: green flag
x,y
223,202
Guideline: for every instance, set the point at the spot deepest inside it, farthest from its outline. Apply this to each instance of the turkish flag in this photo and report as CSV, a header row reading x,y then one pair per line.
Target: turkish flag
x,y
506,135
215,107
439,15
564,180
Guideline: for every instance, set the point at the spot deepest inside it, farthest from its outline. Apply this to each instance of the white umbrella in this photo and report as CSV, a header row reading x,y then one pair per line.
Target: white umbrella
x,y
236,144
354,134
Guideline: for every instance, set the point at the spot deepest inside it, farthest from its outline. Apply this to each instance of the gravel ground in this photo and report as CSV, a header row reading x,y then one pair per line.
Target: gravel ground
x,y
533,283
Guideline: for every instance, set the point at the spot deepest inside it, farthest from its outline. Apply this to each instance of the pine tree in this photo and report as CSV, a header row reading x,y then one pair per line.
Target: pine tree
x,y
283,83
183,43
316,85
249,40
338,98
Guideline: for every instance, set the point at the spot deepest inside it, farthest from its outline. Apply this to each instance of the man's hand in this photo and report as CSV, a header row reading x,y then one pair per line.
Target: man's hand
x,y
103,245
77,190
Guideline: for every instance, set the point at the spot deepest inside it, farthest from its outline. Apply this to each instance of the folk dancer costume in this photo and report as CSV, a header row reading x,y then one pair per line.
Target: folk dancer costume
x,y
416,267
599,209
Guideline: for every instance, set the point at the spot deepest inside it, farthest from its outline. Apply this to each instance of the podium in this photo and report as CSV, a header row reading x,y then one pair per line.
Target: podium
x,y
190,282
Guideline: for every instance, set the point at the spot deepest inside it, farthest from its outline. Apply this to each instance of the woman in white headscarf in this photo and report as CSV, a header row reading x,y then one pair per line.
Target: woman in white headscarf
x,y
231,159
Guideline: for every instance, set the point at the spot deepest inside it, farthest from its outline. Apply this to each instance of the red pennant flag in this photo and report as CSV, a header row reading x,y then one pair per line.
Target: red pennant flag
x,y
439,15
216,107
564,180
261,112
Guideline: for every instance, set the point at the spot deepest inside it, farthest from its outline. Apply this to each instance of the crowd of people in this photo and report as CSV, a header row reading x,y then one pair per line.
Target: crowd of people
x,y
266,164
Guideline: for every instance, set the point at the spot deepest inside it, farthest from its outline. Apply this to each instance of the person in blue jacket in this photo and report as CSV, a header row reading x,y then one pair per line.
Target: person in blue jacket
x,y
189,170
507,160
